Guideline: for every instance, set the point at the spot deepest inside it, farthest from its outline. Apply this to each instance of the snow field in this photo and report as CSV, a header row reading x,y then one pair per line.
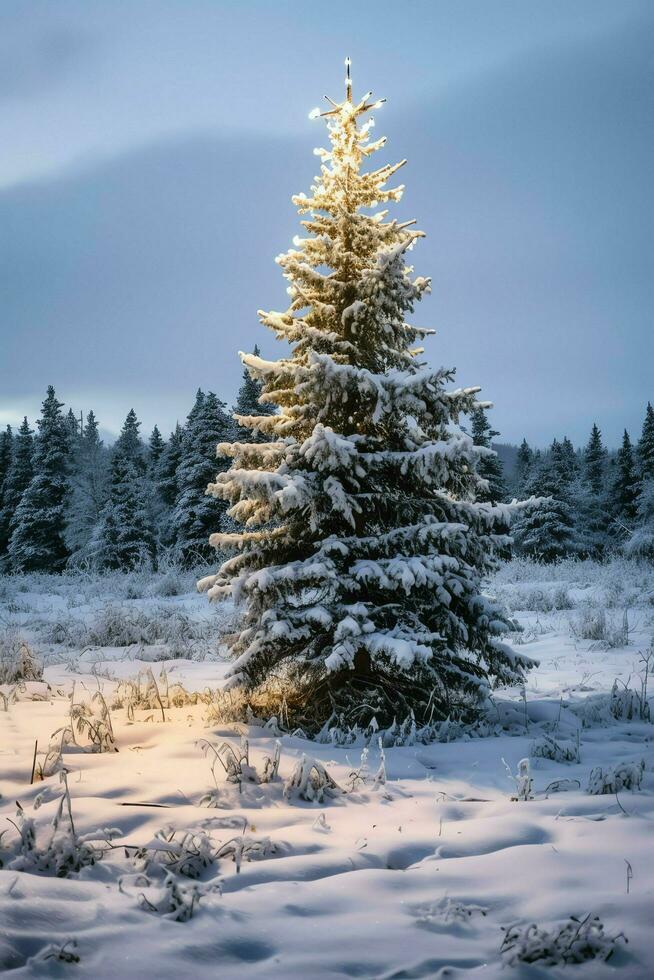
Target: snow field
x,y
414,877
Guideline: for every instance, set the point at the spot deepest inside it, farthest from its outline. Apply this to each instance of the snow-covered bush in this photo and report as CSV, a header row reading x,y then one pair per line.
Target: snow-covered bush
x,y
17,661
448,912
173,900
592,623
185,852
64,850
310,781
547,747
613,779
245,848
92,721
575,941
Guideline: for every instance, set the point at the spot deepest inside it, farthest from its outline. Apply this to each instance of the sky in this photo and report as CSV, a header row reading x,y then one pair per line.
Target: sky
x,y
150,150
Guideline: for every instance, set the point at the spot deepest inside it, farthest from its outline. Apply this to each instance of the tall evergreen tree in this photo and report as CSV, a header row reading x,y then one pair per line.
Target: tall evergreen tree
x,y
6,443
361,560
547,532
591,496
646,445
89,491
6,453
195,513
168,466
125,539
523,465
15,484
156,446
37,540
625,490
489,466
248,406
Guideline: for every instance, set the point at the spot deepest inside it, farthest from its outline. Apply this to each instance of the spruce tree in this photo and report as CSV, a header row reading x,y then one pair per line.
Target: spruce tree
x,y
523,464
16,481
625,490
165,480
646,445
196,513
6,452
169,465
363,549
89,492
6,443
37,541
125,539
156,446
490,465
547,532
592,498
248,406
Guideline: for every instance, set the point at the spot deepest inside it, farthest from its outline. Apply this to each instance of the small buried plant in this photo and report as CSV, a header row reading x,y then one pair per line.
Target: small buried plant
x,y
547,747
575,941
172,900
90,720
244,848
183,852
235,762
310,781
613,779
17,661
65,851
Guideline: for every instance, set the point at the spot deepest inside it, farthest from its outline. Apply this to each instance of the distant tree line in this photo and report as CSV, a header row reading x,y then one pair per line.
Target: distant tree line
x,y
596,502
67,500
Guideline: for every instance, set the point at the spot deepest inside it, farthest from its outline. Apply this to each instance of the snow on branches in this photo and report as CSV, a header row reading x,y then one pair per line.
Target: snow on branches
x,y
363,541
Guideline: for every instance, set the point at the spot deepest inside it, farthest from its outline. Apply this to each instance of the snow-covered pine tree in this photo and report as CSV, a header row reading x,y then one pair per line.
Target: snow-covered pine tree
x,y
489,466
37,541
89,492
124,538
547,532
592,502
646,445
156,446
6,443
16,482
165,481
523,465
168,465
641,541
624,491
249,406
196,512
362,556
6,451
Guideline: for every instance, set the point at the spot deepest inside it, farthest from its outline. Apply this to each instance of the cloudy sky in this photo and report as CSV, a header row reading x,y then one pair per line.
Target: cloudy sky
x,y
150,149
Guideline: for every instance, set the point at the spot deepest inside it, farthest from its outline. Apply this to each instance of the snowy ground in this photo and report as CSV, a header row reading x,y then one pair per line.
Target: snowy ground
x,y
412,877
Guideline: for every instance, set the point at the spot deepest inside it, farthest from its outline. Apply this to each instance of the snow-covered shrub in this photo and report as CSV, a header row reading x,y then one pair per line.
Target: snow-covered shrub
x,y
546,747
174,900
522,779
613,779
310,781
17,661
184,852
64,851
621,704
64,953
448,912
244,848
235,763
90,720
575,941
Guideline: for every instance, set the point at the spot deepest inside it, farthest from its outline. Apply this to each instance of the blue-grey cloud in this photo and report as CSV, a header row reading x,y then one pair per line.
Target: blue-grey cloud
x,y
135,280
